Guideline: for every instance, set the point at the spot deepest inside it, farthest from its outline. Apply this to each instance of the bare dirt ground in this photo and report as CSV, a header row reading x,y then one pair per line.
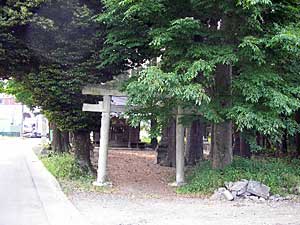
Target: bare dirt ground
x,y
135,173
142,196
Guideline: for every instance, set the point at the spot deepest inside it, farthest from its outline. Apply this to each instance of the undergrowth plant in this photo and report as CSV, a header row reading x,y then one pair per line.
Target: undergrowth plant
x,y
281,175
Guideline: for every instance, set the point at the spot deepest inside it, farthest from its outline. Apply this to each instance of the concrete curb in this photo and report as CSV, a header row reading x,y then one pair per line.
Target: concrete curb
x,y
58,208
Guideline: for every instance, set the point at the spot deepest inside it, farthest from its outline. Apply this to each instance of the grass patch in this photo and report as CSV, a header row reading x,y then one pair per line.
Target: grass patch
x,y
146,140
281,175
71,178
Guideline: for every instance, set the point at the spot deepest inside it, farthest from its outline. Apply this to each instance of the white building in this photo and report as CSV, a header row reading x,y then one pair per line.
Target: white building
x,y
10,116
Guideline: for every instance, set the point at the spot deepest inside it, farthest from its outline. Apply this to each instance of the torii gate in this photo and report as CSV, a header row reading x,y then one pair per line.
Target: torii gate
x,y
105,107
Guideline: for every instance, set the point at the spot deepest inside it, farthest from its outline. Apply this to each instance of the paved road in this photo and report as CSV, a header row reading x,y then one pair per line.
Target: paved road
x,y
29,195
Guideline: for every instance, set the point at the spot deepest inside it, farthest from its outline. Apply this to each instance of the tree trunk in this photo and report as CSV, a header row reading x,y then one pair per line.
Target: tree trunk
x,y
60,140
241,146
56,144
65,138
297,135
237,143
258,139
166,150
82,147
268,144
194,143
245,150
172,143
222,132
154,141
222,149
162,148
284,144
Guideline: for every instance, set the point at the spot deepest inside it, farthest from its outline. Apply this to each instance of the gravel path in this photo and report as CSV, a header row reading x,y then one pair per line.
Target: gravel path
x,y
114,209
142,197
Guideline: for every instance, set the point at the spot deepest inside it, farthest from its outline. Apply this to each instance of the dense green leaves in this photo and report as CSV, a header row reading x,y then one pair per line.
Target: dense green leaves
x,y
21,94
259,38
15,57
52,49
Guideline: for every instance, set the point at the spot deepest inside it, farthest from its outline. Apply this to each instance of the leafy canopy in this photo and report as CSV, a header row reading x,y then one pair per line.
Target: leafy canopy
x,y
258,38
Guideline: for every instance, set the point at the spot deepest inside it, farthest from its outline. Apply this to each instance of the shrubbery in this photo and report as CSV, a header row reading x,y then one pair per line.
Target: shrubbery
x,y
281,175
64,166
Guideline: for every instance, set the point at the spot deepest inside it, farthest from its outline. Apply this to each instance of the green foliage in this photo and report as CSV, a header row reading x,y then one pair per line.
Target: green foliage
x,y
15,57
70,175
281,175
65,167
258,38
53,48
263,101
2,87
17,12
287,39
52,56
250,48
14,88
249,3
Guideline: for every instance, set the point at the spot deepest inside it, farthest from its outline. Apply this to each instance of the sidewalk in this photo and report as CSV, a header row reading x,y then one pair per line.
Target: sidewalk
x,y
58,208
29,194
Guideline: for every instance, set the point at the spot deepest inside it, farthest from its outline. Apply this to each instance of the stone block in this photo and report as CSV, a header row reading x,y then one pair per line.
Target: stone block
x,y
258,189
228,196
239,187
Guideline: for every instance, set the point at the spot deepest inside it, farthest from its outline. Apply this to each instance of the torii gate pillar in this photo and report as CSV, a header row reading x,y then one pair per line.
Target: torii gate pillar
x,y
179,151
105,108
104,138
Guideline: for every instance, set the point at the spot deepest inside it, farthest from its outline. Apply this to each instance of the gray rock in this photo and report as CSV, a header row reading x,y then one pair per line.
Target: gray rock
x,y
234,194
262,199
297,190
227,194
253,198
218,194
240,187
245,194
221,189
228,185
222,194
258,189
275,198
290,197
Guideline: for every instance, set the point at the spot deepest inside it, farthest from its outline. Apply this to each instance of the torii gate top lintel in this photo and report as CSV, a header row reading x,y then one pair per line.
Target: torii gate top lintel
x,y
110,88
100,89
106,105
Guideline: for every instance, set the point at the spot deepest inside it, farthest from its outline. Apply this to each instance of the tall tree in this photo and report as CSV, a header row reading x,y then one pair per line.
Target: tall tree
x,y
15,56
210,51
65,44
194,142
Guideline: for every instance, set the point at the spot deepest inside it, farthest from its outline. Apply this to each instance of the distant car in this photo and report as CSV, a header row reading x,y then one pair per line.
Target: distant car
x,y
30,132
27,129
32,135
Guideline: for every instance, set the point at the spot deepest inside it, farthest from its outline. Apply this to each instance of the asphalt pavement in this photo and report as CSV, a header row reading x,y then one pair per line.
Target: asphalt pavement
x,y
29,194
